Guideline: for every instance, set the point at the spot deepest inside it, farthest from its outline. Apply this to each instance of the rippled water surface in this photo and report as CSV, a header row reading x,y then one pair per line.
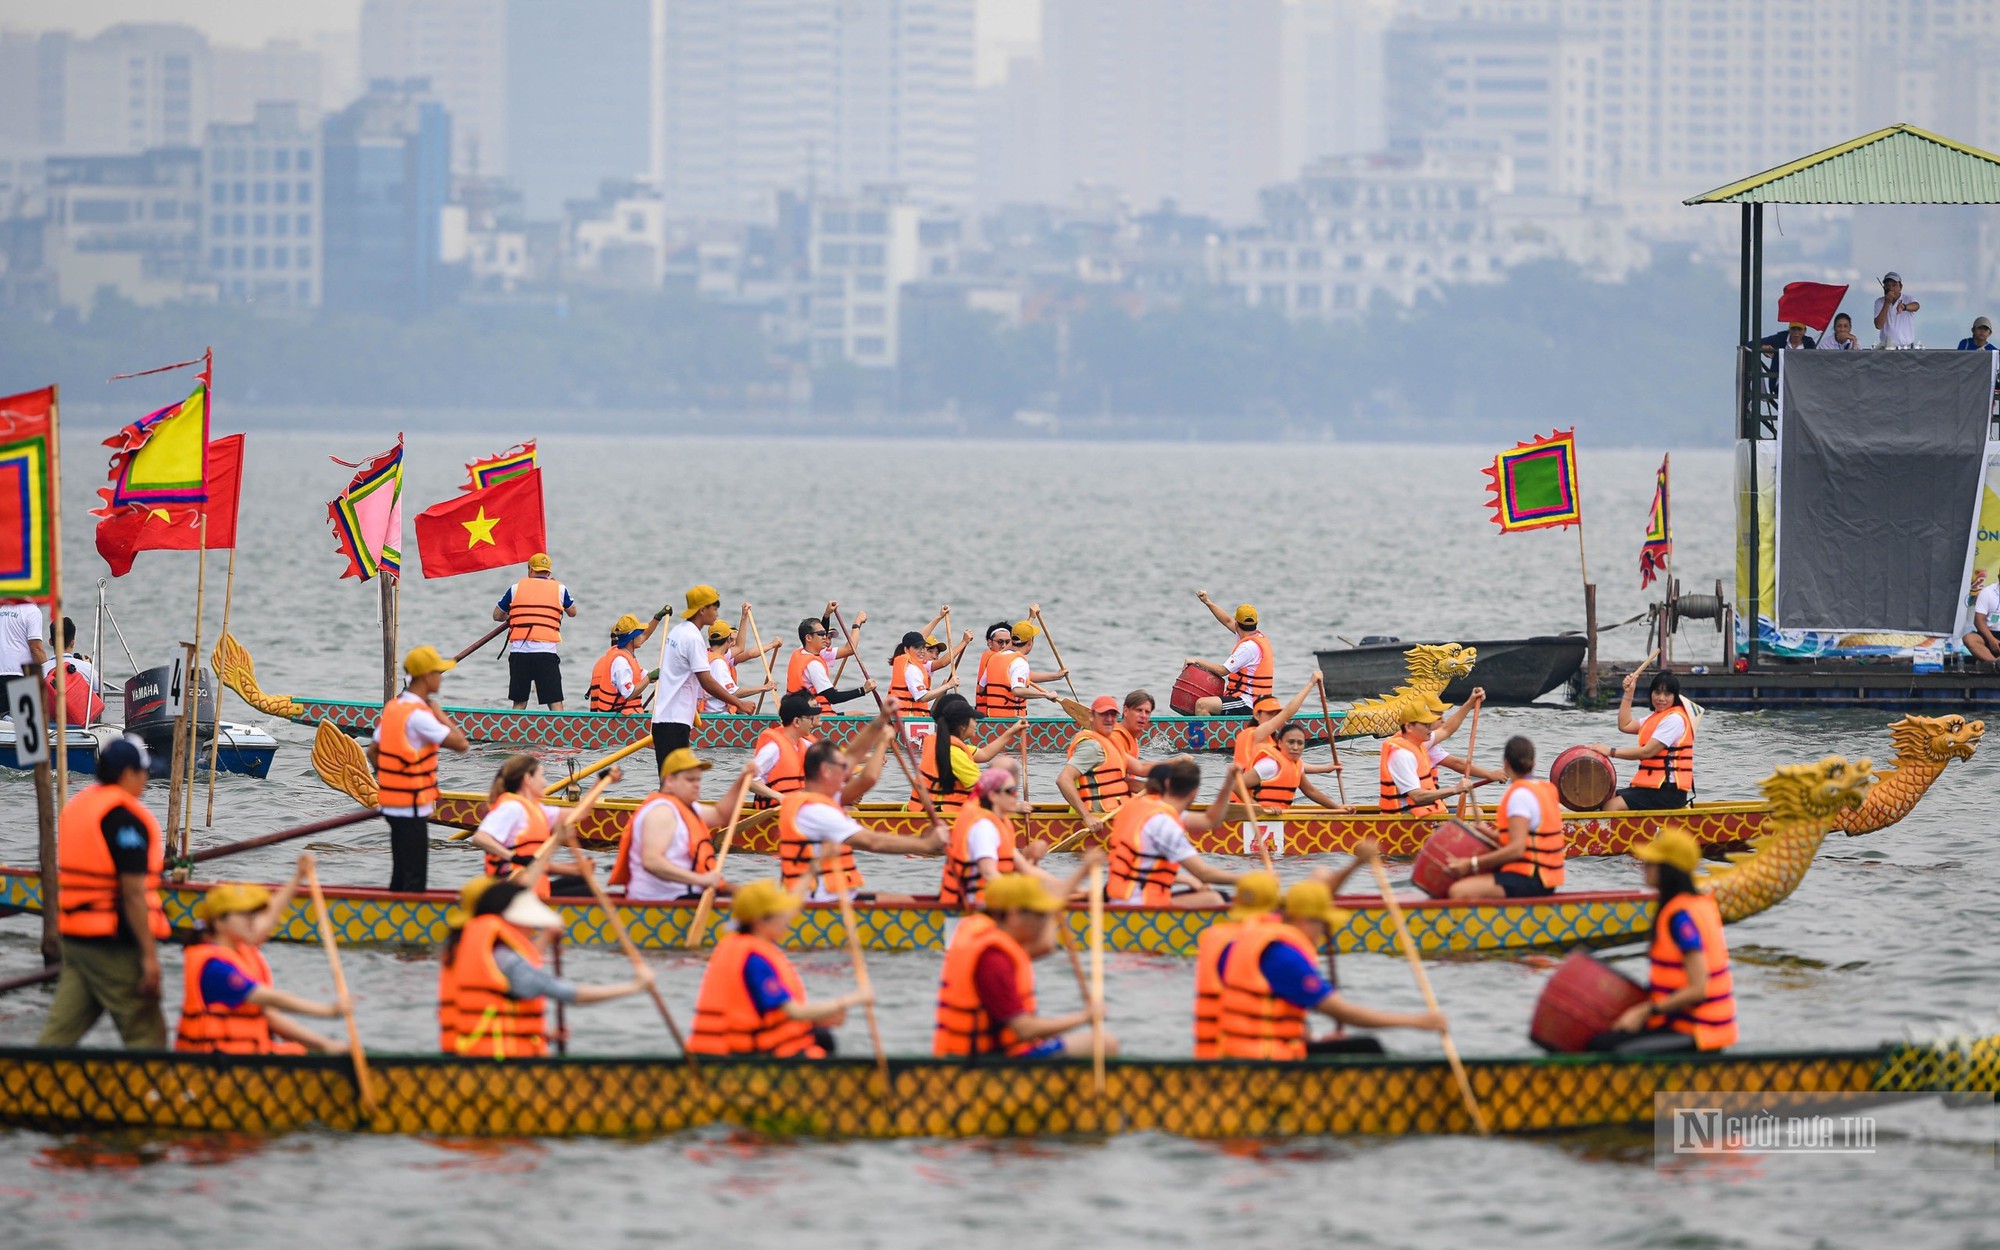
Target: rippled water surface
x,y
1887,935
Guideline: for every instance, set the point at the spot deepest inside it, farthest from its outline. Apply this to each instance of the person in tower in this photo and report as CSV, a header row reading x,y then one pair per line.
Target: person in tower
x,y
1251,671
533,609
1665,780
229,1004
1529,860
404,755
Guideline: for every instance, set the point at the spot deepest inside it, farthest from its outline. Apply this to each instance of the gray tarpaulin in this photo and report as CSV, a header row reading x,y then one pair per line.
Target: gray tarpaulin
x,y
1881,456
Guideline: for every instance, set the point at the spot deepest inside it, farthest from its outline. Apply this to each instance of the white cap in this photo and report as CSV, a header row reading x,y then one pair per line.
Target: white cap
x,y
1891,276
529,912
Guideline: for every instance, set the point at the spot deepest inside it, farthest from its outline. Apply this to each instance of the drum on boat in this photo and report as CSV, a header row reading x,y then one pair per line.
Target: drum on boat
x,y
1585,997
1454,839
1194,683
1584,778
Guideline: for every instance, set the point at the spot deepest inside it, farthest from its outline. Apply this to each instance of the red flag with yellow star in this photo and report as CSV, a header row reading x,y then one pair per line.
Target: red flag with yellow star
x,y
483,529
129,529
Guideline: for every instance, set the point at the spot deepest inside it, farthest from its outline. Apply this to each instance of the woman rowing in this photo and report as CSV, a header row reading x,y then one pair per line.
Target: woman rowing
x,y
1278,773
725,652
982,847
517,823
910,671
986,993
228,1002
751,1000
1691,995
1665,779
947,764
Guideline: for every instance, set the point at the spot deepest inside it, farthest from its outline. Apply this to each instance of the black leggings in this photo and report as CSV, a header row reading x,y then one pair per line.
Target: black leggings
x,y
409,853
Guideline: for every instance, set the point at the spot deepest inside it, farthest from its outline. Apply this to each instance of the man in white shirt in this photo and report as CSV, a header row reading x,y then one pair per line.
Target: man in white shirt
x,y
1164,837
820,824
424,727
664,858
21,647
1983,643
1895,316
684,675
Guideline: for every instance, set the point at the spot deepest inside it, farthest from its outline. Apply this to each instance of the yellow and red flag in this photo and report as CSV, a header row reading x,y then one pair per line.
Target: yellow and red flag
x,y
483,529
162,458
25,508
135,528
1657,552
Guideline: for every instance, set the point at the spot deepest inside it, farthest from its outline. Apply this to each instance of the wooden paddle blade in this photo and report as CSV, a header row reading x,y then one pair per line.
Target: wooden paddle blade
x,y
1077,712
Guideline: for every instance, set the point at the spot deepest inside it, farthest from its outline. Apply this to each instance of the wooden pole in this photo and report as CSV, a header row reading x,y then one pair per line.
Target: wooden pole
x,y
1409,946
362,1079
284,835
388,592
1590,641
52,783
1056,653
1250,805
1471,746
1333,745
630,749
194,717
617,923
917,785
698,927
215,737
1097,979
484,638
177,757
1667,564
750,620
854,952
950,645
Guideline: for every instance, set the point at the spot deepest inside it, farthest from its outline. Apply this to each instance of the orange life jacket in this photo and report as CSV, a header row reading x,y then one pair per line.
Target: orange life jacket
x,y
1673,766
797,855
948,804
908,706
448,1024
1128,746
1106,786
527,842
1254,1022
1260,679
240,1030
490,1024
1547,847
603,693
406,774
795,676
726,1019
789,773
997,696
1129,870
83,705
535,612
1281,789
87,877
1712,1021
963,1027
1208,981
963,884
700,839
1393,799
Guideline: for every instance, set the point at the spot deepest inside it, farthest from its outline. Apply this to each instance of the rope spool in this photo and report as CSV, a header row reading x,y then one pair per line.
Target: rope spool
x,y
1682,607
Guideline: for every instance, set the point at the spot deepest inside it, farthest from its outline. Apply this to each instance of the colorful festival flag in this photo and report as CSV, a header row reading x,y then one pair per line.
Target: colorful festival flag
x,y
1657,552
1534,485
367,517
494,470
24,494
127,531
161,458
483,529
1810,303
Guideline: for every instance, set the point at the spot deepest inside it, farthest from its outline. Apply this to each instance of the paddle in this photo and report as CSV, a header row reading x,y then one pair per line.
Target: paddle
x,y
1409,946
283,835
698,928
1263,843
362,1080
917,787
588,872
847,921
1082,985
1027,806
624,752
1035,610
1097,979
47,974
484,638
750,620
1333,745
1471,745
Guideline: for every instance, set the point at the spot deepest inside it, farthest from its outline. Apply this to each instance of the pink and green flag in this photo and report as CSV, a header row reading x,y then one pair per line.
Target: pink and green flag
x,y
1534,485
367,517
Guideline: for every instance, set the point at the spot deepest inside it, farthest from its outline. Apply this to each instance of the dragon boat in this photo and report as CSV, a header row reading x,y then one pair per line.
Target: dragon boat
x,y
1924,747
1808,801
845,1098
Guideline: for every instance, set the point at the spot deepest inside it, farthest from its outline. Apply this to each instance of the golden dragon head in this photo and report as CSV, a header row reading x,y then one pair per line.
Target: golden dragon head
x,y
1813,793
1441,662
1935,739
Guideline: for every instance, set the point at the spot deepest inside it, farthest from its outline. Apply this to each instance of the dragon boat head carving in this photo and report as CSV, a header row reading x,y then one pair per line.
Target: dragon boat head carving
x,y
1808,801
1925,745
340,763
1809,795
1432,667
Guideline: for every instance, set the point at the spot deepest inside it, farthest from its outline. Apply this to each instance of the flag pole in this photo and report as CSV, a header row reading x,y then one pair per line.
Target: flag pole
x,y
215,736
58,793
193,687
1667,528
1589,600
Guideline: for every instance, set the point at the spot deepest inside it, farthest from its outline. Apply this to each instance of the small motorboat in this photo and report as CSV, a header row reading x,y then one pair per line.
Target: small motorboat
x,y
1512,670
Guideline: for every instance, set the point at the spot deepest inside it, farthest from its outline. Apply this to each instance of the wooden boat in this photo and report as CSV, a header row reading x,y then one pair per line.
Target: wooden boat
x,y
442,1096
1512,670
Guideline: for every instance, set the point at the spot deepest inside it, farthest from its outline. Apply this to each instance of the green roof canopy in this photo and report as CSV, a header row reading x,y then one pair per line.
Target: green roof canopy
x,y
1896,165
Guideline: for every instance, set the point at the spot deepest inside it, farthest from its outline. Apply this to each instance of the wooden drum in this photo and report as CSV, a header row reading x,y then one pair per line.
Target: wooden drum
x,y
1194,683
1584,779
1454,839
1584,998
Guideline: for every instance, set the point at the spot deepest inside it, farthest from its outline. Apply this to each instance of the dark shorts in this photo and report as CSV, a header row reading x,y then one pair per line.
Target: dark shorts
x,y
1653,799
668,737
542,669
1346,1045
1234,707
1522,884
1661,1041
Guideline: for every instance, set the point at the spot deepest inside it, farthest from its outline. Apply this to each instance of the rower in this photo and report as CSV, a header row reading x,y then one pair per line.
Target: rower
x,y
109,856
982,844
1665,779
618,680
1150,847
910,678
751,1000
1267,717
228,1003
1441,756
779,762
1271,979
1097,779
684,675
1409,779
1256,903
455,920
533,609
725,652
1006,679
1529,861
404,754
986,996
1135,725
667,850
1251,671
1692,995
500,993
1279,773
947,764
517,823
999,638
813,817
810,670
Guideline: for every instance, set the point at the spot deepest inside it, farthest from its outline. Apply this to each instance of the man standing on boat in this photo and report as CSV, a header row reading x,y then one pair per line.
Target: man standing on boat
x,y
533,610
684,676
109,856
404,754
1250,673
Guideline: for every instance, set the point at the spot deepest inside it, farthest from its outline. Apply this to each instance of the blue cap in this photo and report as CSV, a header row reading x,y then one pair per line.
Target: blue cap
x,y
121,755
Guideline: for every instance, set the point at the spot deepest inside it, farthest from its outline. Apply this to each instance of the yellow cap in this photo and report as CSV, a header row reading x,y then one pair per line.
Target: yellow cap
x,y
1017,891
930,640
1311,900
699,597
1025,631
1420,714
721,631
761,900
1246,614
231,897
1674,847
681,760
539,563
423,661
626,624
468,898
1255,892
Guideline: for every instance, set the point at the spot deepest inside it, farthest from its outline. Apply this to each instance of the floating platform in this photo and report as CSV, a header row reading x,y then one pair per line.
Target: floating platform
x,y
1889,687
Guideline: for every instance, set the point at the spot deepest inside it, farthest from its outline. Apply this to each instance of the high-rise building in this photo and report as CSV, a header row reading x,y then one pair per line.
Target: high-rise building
x,y
1333,79
133,87
579,90
263,209
461,47
127,225
1167,99
387,178
243,78
864,251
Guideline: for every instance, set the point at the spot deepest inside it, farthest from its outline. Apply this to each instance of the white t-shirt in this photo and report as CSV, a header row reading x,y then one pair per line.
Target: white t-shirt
x,y
1266,768
1988,605
1161,837
84,669
1899,329
682,655
982,841
719,669
422,729
644,886
916,680
1246,655
1522,803
624,675
816,675
1668,732
508,820
19,622
535,648
1403,769
767,759
1017,673
820,824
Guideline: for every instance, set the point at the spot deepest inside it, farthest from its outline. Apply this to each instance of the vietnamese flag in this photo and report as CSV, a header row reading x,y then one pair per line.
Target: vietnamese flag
x,y
483,529
1810,303
134,528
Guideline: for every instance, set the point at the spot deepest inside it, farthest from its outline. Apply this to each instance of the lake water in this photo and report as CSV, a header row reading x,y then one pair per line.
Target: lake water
x,y
1888,935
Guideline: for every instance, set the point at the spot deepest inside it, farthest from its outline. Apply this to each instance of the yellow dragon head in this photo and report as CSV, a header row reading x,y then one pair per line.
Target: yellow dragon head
x,y
1935,740
1816,794
1439,662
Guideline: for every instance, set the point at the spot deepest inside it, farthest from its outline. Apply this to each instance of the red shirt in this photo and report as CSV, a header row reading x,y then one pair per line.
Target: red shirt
x,y
993,978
